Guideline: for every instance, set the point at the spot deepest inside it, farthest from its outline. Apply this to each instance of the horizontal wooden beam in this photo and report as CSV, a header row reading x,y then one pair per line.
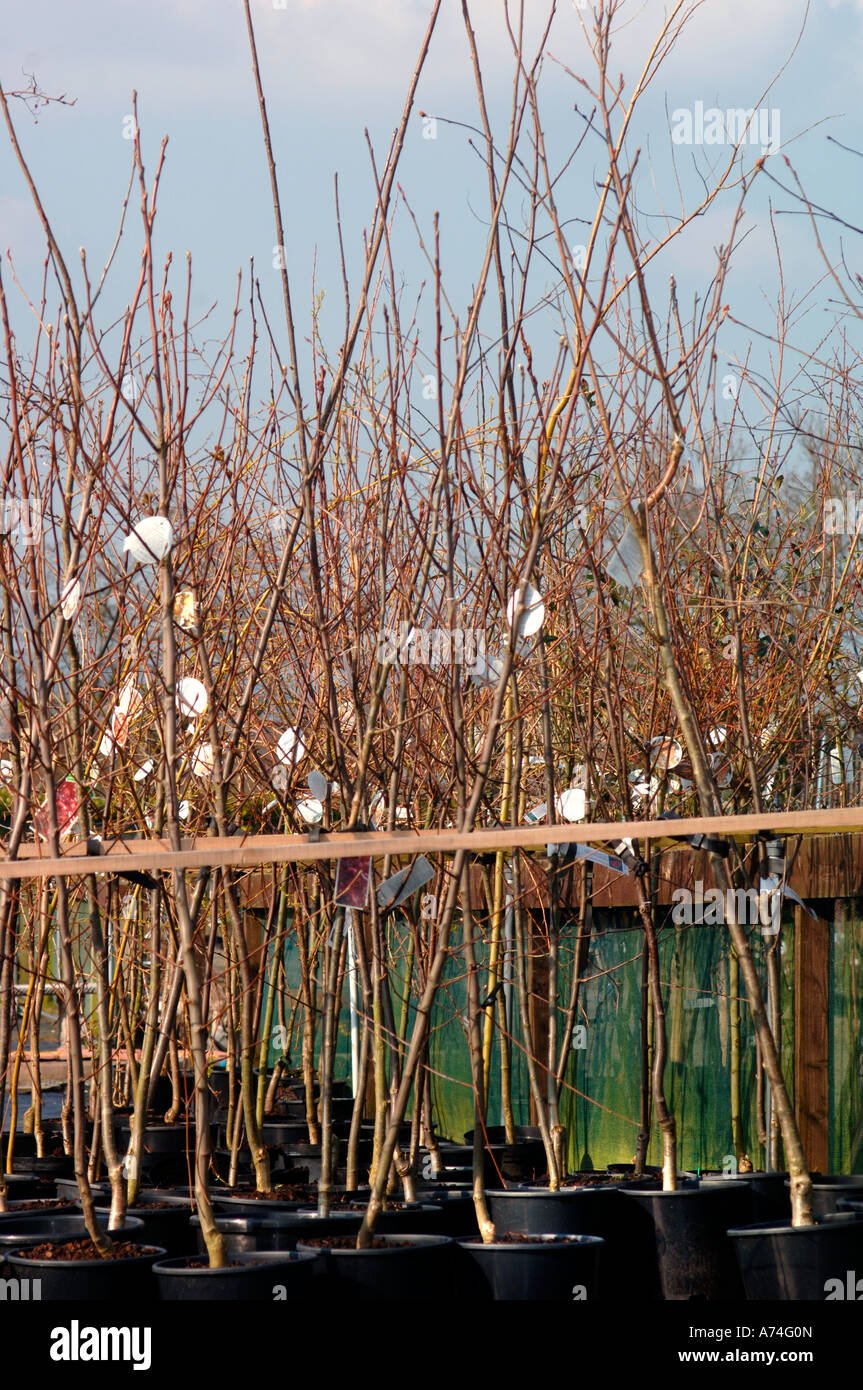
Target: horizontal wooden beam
x,y
152,855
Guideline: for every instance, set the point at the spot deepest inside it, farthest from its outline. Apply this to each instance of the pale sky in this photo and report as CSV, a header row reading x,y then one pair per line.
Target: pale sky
x,y
334,67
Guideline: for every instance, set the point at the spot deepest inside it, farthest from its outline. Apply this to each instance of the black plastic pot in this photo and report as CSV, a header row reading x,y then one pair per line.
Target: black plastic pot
x,y
309,1156
627,1266
219,1083
129,1279
457,1210
33,1227
68,1187
694,1257
57,1166
166,1226
284,1132
770,1197
547,1267
781,1261
25,1144
411,1267
24,1186
278,1231
261,1275
846,1206
251,1206
828,1189
523,1161
165,1140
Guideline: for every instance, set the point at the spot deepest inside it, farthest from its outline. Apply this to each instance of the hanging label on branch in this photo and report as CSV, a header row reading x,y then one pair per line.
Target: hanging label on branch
x,y
352,882
593,856
400,886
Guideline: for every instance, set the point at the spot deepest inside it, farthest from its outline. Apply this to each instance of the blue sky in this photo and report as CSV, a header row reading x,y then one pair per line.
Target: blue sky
x,y
334,67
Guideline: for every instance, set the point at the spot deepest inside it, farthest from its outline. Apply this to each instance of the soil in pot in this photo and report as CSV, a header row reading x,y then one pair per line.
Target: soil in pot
x,y
40,1204
537,1266
406,1267
694,1259
75,1270
268,1276
818,1262
33,1227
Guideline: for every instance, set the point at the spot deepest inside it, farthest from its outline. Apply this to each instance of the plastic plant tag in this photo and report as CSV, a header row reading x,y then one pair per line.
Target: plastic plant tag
x,y
185,610
624,563
318,785
593,856
144,770
68,806
70,599
149,540
192,696
290,747
486,670
183,810
202,760
400,886
532,614
572,803
716,737
665,753
311,811
536,813
352,882
841,765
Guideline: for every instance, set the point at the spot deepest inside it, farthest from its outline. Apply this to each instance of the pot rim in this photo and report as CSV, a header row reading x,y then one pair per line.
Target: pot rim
x,y
177,1265
401,1241
544,1240
148,1252
784,1228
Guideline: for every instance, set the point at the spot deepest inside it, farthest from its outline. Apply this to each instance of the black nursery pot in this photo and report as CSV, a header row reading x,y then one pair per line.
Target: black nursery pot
x,y
68,1187
24,1187
89,1281
276,1230
545,1267
410,1267
457,1210
54,1167
627,1265
694,1256
781,1261
34,1227
770,1195
250,1205
829,1189
523,1161
261,1275
165,1225
309,1156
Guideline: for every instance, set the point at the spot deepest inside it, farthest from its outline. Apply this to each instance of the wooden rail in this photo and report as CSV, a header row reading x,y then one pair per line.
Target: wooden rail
x,y
148,855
